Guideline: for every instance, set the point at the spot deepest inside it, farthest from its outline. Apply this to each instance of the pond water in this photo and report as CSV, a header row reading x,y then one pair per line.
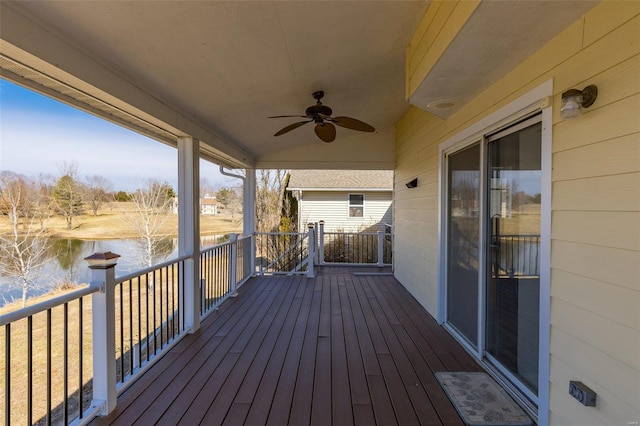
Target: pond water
x,y
65,262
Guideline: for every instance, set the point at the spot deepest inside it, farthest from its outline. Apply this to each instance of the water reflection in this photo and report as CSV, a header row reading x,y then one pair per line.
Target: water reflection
x,y
68,254
65,261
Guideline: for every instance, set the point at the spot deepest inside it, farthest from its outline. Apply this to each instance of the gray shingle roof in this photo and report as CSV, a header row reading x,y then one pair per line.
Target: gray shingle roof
x,y
341,179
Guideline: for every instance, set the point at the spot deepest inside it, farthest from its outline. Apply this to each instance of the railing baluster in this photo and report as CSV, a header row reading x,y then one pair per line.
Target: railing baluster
x,y
48,366
204,283
161,310
154,321
131,349
139,324
173,301
7,374
65,400
146,317
29,369
121,303
80,358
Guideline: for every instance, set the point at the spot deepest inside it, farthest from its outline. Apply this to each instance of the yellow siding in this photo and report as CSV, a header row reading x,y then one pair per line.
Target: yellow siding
x,y
595,257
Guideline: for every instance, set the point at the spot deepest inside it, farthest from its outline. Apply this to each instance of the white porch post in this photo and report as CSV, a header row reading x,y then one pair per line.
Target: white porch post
x,y
233,265
321,243
380,249
189,227
249,214
103,321
311,243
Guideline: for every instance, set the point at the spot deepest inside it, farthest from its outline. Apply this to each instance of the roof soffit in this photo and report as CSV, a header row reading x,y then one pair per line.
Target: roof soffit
x,y
495,39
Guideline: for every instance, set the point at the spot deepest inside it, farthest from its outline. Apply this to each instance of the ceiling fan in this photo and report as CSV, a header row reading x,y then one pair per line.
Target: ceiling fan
x,y
321,115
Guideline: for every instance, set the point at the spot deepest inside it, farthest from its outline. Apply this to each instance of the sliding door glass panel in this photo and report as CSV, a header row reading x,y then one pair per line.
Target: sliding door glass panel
x,y
462,242
513,266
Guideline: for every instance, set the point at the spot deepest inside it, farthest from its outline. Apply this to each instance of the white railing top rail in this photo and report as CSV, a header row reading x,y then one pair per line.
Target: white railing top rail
x,y
76,294
226,243
355,233
141,272
282,233
47,304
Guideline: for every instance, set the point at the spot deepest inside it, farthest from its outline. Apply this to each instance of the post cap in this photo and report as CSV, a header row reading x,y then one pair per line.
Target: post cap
x,y
102,260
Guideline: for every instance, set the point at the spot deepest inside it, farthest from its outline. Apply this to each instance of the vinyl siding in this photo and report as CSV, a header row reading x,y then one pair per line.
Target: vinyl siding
x,y
332,207
595,247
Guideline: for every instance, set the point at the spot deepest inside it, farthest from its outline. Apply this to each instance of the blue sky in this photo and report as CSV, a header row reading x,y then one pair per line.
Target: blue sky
x,y
39,134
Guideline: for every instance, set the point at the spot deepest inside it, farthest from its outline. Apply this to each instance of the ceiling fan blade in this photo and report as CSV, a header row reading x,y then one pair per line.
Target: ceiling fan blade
x,y
287,116
353,124
326,131
290,127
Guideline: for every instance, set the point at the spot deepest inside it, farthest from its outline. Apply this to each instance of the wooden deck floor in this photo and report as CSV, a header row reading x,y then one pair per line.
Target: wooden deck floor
x,y
339,349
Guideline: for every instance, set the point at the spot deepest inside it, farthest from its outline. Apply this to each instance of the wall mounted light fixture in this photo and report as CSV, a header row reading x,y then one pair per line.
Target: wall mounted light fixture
x,y
412,183
574,100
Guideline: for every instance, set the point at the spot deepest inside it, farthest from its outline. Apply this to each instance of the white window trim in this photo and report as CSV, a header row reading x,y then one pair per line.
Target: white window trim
x,y
355,205
538,99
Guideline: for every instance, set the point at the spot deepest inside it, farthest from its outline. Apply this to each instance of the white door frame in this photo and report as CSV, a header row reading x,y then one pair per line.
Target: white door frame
x,y
538,99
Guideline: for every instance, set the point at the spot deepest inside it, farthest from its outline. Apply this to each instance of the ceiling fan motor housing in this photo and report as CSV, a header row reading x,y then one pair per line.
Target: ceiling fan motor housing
x,y
318,110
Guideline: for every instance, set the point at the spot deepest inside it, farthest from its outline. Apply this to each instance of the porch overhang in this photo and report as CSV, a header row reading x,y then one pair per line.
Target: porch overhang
x,y
216,71
462,48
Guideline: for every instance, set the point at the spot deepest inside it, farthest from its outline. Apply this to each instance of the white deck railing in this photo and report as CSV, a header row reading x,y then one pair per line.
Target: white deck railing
x,y
354,248
65,360
287,253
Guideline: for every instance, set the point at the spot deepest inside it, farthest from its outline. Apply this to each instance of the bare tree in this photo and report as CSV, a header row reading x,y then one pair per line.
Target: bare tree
x,y
289,213
67,193
269,196
41,198
231,199
97,189
235,205
151,208
25,246
207,188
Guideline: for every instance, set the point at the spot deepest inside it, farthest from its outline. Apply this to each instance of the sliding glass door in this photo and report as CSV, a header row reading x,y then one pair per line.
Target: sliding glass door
x,y
513,268
493,280
463,250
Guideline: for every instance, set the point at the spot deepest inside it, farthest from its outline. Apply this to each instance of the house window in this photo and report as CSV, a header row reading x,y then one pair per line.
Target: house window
x,y
356,205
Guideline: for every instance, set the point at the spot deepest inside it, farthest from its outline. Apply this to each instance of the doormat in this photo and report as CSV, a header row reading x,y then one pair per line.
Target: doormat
x,y
480,401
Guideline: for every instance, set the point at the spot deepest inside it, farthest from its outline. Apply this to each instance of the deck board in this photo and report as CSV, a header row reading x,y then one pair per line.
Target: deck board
x,y
338,349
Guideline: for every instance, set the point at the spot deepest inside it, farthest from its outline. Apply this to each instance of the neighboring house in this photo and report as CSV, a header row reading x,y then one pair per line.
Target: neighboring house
x,y
208,205
347,200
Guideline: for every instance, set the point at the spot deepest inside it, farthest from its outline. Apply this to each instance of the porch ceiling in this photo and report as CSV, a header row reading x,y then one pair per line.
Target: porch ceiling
x,y
227,66
216,70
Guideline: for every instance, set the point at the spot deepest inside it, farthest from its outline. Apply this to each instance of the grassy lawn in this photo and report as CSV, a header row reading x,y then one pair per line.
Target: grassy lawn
x,y
110,223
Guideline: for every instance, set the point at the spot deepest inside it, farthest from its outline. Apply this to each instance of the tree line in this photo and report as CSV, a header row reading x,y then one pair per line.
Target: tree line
x,y
68,195
27,203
